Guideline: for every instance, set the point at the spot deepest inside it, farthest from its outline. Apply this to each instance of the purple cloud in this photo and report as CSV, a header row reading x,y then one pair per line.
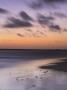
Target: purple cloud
x,y
55,28
3,11
25,16
16,23
44,20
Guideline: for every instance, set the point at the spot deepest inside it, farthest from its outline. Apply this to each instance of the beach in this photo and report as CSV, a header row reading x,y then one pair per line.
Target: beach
x,y
28,76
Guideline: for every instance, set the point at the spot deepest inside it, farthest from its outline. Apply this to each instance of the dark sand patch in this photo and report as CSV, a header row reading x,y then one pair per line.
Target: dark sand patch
x,y
58,66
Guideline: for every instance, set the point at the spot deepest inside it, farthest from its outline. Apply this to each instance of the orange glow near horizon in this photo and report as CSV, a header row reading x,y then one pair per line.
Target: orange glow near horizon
x,y
53,40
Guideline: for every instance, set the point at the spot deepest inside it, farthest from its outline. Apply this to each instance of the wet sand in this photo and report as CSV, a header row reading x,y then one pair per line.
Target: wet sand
x,y
56,66
28,76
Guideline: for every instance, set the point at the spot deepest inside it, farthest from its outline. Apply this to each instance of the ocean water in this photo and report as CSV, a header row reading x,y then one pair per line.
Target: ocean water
x,y
24,72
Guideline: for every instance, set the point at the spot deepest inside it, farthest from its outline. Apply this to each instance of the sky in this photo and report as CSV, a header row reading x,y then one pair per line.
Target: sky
x,y
33,24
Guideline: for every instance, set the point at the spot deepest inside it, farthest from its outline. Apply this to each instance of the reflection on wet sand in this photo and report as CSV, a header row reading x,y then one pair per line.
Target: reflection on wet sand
x,y
27,76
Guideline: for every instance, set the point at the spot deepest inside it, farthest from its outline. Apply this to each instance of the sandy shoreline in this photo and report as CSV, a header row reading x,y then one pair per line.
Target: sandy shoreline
x,y
27,76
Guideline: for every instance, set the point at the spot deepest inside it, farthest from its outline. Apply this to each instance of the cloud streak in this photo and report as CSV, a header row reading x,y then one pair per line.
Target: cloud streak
x,y
3,11
55,28
60,15
53,1
25,16
16,23
36,4
44,20
20,35
65,30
